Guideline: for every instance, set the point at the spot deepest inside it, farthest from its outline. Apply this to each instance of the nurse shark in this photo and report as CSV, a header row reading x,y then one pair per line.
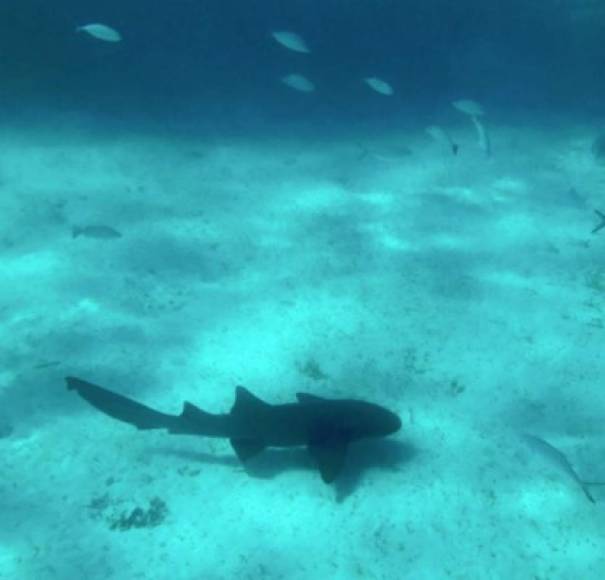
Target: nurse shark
x,y
325,426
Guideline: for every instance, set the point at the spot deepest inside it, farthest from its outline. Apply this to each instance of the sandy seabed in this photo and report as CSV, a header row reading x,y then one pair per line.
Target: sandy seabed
x,y
466,293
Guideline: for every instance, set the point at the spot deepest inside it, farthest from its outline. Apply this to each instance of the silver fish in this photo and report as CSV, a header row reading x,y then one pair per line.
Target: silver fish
x,y
95,231
601,224
559,460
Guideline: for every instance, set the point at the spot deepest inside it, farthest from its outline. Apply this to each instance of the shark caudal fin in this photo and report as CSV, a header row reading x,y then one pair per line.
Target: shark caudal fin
x,y
192,421
120,407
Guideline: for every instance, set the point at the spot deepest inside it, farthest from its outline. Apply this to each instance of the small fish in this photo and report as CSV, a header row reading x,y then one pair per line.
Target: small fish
x,y
392,154
101,31
291,40
560,461
98,232
601,224
379,86
46,364
485,143
298,83
469,107
474,110
440,135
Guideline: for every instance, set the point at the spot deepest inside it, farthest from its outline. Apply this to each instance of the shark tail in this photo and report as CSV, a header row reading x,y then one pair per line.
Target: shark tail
x,y
120,407
192,420
195,421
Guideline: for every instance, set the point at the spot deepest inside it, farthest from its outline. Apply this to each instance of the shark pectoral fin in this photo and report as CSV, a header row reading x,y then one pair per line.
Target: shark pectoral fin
x,y
330,457
246,448
120,407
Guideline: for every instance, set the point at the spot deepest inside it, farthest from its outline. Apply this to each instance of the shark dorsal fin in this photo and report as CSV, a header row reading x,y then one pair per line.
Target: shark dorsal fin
x,y
245,401
306,398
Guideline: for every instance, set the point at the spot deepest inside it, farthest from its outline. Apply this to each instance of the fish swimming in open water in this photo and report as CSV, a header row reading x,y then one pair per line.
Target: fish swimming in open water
x,y
96,231
101,31
601,224
559,460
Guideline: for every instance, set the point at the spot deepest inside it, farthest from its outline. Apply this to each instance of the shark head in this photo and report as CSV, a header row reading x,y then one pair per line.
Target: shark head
x,y
354,419
364,420
340,422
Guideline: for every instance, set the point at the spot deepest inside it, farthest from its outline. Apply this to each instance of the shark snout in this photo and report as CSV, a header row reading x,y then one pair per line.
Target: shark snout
x,y
392,423
385,422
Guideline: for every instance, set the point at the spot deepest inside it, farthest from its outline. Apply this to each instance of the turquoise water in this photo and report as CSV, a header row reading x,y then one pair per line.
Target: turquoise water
x,y
394,203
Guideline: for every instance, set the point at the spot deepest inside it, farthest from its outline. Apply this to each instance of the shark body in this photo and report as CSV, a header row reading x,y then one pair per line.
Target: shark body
x,y
325,426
